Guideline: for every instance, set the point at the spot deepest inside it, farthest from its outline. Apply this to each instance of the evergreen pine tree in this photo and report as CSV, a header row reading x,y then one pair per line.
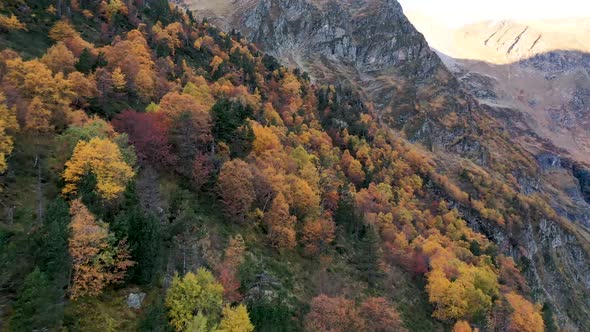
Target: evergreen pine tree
x,y
36,308
86,62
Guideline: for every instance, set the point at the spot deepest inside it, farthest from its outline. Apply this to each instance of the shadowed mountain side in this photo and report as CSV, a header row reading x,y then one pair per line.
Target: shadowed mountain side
x,y
546,96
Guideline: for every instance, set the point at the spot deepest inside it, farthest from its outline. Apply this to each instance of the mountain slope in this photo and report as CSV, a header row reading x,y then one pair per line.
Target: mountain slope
x,y
170,175
167,174
372,47
540,69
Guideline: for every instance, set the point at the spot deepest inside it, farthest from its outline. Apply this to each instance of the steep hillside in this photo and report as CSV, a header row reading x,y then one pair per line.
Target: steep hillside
x,y
159,174
372,47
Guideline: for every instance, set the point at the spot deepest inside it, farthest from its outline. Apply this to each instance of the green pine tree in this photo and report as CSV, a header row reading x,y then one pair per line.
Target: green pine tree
x,y
36,308
86,62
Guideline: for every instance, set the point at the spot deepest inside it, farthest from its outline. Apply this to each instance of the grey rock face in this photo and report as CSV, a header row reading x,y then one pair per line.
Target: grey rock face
x,y
558,62
134,300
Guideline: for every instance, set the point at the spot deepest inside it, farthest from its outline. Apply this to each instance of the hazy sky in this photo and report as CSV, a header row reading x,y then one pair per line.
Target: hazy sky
x,y
464,11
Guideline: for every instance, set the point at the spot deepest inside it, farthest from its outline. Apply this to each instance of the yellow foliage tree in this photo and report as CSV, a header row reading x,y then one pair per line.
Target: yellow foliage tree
x,y
62,30
199,89
235,320
194,293
119,80
169,35
101,157
11,23
8,126
35,79
290,85
59,58
468,295
51,9
266,140
38,117
215,63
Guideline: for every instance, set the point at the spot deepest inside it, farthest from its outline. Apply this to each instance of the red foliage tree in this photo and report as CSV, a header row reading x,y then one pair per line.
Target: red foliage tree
x,y
202,168
149,134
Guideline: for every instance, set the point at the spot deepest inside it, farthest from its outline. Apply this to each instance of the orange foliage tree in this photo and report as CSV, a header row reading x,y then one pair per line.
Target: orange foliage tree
x,y
352,168
462,326
526,316
134,57
97,259
228,269
173,105
236,189
317,235
379,316
281,225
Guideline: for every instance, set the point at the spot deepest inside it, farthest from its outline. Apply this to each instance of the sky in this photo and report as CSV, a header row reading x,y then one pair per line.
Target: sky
x,y
458,12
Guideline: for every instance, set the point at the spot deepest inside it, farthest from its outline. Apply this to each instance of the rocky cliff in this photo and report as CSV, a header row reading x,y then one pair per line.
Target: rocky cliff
x,y
373,48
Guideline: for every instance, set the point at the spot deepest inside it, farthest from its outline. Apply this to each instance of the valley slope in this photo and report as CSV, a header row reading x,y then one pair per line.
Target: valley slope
x,y
373,48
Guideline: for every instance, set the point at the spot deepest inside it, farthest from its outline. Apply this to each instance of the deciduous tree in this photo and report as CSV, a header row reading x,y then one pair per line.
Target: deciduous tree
x,y
236,189
192,294
149,135
119,81
280,224
200,90
352,168
97,259
317,235
11,23
462,326
235,320
173,105
8,126
202,168
526,316
380,316
62,30
38,118
334,314
134,57
101,157
59,59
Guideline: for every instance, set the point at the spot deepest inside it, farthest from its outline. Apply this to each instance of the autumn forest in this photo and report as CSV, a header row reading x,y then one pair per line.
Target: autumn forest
x,y
147,154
